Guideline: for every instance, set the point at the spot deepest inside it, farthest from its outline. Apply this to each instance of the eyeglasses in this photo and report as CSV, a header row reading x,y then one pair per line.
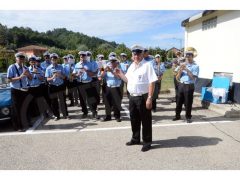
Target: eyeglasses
x,y
54,57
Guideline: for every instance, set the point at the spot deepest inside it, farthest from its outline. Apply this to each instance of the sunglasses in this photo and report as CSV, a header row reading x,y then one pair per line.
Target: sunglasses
x,y
21,57
54,57
82,54
189,54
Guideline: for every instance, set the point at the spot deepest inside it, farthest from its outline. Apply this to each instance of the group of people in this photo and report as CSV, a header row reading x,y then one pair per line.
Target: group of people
x,y
45,86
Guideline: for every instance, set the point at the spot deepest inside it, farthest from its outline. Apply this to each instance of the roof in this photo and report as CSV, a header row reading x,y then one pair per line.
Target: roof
x,y
197,16
174,49
32,47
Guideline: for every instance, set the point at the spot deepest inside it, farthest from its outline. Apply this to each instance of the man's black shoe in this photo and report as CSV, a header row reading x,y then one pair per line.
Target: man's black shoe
x,y
189,121
130,143
107,118
95,115
146,147
118,119
84,116
176,118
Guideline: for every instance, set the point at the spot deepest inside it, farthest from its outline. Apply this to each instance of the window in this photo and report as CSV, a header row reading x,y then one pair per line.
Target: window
x,y
209,24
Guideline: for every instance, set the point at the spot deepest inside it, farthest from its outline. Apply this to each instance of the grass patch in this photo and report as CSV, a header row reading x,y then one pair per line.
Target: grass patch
x,y
167,80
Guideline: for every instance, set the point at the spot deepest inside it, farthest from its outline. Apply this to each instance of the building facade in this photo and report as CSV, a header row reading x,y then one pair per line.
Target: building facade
x,y
216,37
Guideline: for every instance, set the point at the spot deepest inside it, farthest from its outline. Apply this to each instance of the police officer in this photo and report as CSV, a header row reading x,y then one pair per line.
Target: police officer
x,y
19,77
35,87
159,69
55,76
47,61
95,81
187,74
124,66
112,94
84,71
140,79
175,67
69,81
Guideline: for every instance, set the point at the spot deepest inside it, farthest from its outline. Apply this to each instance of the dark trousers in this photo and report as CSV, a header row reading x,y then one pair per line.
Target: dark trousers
x,y
20,104
176,87
140,114
58,96
33,109
72,92
122,89
87,95
45,93
112,100
185,96
157,90
96,84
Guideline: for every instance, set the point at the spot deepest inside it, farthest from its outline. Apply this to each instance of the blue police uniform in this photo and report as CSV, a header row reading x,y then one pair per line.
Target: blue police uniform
x,y
18,96
35,82
45,65
149,59
185,91
87,92
53,69
124,66
15,70
112,94
159,70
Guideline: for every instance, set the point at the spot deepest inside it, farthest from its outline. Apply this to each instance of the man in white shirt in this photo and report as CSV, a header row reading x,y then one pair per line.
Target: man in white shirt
x,y
140,79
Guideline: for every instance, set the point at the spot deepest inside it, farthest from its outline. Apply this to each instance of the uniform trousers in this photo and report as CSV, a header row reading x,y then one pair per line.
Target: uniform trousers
x,y
96,84
157,90
176,87
139,114
58,96
72,92
20,102
112,100
185,96
87,96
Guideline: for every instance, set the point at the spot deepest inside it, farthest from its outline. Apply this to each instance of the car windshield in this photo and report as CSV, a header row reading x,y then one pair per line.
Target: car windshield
x,y
3,81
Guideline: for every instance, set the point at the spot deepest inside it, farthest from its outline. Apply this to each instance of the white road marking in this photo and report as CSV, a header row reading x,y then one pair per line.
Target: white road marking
x,y
126,110
36,124
107,129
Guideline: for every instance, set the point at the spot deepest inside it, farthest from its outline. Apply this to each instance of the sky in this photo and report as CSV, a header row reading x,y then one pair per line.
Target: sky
x,y
149,28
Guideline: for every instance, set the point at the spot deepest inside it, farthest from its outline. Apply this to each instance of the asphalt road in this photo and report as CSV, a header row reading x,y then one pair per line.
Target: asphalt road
x,y
210,142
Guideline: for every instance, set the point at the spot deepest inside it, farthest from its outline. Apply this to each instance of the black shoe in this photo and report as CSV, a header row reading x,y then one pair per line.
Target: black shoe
x,y
95,115
107,118
118,119
84,116
130,143
146,147
189,121
176,118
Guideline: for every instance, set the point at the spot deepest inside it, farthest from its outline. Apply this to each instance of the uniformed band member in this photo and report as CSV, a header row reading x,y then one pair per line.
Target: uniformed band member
x,y
140,79
70,81
186,75
124,66
47,61
146,55
159,69
175,66
112,94
84,70
55,76
19,77
35,89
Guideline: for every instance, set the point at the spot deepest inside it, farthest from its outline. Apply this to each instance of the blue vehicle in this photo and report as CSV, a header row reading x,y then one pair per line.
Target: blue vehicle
x,y
5,98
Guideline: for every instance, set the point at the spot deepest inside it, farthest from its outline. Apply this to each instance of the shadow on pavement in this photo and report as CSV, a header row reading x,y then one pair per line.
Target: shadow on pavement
x,y
186,141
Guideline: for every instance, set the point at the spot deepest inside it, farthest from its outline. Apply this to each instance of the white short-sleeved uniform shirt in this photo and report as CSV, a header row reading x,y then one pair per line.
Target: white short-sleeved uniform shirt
x,y
139,77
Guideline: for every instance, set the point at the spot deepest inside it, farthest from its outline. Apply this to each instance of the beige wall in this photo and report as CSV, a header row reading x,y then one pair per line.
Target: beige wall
x,y
218,48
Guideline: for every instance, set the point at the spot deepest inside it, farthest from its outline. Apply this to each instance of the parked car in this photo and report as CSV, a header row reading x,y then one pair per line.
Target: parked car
x,y
5,98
